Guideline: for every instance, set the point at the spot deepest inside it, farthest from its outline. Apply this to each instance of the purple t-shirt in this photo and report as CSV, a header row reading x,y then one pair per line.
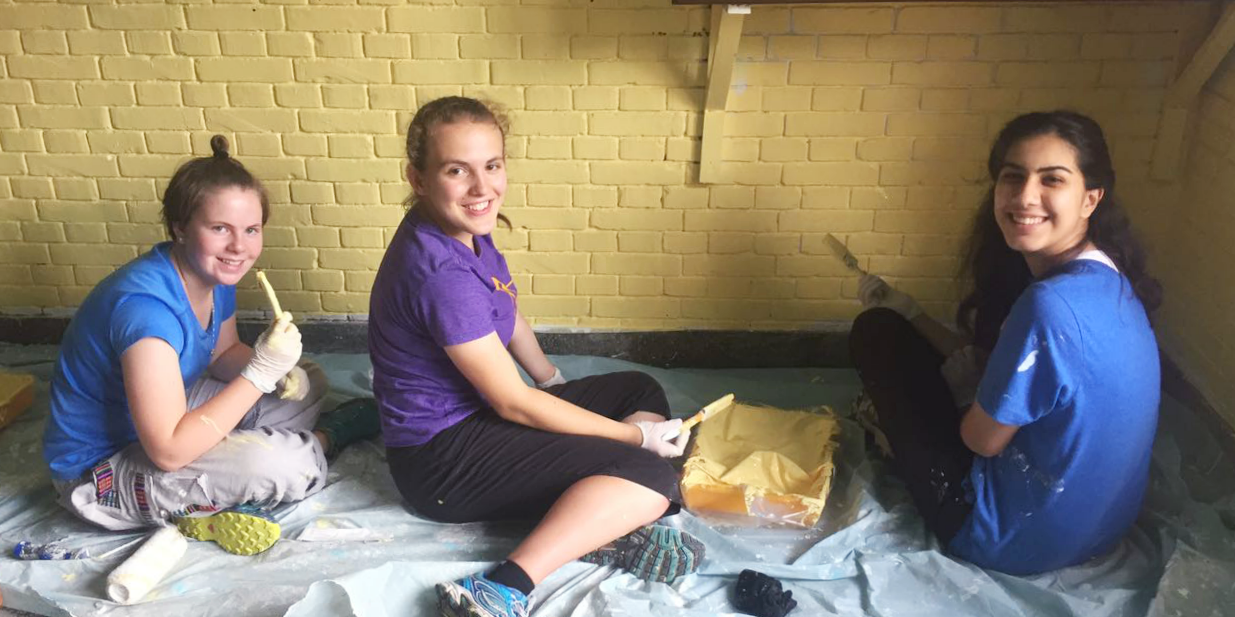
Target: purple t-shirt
x,y
431,292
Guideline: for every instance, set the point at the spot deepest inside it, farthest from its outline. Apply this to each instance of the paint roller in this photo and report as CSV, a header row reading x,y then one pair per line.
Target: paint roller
x,y
293,384
133,579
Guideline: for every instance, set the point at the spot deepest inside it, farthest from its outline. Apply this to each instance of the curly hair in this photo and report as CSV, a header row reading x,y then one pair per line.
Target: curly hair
x,y
448,110
196,180
1000,274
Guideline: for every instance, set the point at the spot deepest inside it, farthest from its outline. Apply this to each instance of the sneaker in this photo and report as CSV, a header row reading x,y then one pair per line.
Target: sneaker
x,y
653,553
350,422
242,530
477,596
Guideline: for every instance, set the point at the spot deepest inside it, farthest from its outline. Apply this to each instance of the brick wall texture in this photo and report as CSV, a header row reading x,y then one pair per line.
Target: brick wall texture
x,y
870,121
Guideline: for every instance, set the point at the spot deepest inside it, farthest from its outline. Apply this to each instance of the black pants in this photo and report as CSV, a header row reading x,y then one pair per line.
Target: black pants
x,y
486,468
900,371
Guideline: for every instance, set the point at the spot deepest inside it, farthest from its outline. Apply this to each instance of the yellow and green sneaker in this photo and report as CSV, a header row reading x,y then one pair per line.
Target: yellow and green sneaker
x,y
243,530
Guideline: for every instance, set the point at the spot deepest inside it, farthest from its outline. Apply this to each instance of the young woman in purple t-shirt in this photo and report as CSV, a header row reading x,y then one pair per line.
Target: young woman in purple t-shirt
x,y
467,439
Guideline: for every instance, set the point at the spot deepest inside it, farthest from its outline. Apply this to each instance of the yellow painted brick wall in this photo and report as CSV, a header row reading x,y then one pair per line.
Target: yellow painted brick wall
x,y
870,122
1198,327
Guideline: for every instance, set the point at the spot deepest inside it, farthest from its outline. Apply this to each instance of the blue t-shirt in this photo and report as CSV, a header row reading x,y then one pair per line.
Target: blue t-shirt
x,y
431,292
90,418
1076,368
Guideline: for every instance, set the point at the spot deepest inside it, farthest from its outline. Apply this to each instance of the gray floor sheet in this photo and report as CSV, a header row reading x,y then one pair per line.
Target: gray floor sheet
x,y
869,555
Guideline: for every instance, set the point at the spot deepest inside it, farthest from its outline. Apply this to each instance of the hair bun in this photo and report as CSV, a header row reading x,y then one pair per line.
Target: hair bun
x,y
218,144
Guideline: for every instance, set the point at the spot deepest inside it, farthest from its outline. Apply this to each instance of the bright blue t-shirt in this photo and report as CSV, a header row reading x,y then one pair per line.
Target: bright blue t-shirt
x,y
90,418
432,292
1076,368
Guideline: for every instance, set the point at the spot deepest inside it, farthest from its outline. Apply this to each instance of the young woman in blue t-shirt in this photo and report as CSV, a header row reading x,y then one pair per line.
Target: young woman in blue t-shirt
x,y
1025,440
159,413
467,439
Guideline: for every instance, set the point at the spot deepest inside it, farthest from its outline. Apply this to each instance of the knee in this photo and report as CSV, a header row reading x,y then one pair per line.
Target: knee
x,y
873,330
649,393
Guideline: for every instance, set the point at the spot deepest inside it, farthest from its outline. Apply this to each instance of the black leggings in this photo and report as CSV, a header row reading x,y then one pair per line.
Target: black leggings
x,y
487,469
900,371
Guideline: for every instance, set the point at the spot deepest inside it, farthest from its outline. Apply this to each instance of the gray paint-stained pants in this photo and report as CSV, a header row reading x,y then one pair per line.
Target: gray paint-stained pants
x,y
270,457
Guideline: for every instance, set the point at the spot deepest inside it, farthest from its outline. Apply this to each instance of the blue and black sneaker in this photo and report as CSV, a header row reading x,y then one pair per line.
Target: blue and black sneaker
x,y
477,596
350,422
653,553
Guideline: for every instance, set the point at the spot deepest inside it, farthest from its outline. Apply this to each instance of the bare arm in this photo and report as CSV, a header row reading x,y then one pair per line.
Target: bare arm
x,y
983,434
526,351
490,368
230,355
171,436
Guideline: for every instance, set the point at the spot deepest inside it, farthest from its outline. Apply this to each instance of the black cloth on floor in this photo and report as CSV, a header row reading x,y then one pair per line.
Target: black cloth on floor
x,y
761,595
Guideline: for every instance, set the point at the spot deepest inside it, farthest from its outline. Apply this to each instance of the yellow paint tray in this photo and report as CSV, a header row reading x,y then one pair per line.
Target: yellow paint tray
x,y
771,464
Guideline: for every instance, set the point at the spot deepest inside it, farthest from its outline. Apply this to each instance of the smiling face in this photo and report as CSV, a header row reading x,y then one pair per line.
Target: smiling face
x,y
1041,203
463,183
223,238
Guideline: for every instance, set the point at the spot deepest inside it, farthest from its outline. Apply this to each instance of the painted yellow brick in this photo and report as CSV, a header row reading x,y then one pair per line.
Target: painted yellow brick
x,y
685,243
905,221
547,98
204,95
641,149
632,47
728,265
1055,19
1054,47
258,144
952,47
16,275
948,20
636,21
32,188
10,231
546,123
453,72
843,47
103,94
52,275
546,47
636,263
645,73
62,118
392,97
783,149
553,284
196,43
250,17
836,99
527,19
591,98
1136,74
95,254
437,19
35,17
80,189
831,173
311,192
785,99
897,47
931,174
347,121
150,69
317,237
594,47
842,20
45,42
242,43
740,150
594,196
24,254
630,123
337,19
777,244
730,243
351,147
350,303
10,42
1003,46
270,70
839,73
820,221
593,241
342,71
353,216
54,92
730,220
548,172
141,235
885,149
834,124
250,95
168,143
393,46
344,96
81,166
322,280
1155,46
637,172
18,92
945,99
65,141
548,195
548,263
687,48
1055,74
441,46
350,259
144,17
534,72
12,164
489,47
924,124
639,241
944,73
791,47
158,94
641,286
992,99
127,189
21,141
891,99
640,197
548,148
53,67
549,240
596,285
642,99
946,245
362,237
154,119
151,43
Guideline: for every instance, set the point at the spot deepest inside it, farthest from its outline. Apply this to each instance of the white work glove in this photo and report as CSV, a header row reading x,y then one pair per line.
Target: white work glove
x,y
555,380
963,371
275,353
294,386
875,292
654,437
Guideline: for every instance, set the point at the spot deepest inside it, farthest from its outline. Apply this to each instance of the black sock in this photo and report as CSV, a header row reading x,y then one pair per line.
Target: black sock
x,y
509,573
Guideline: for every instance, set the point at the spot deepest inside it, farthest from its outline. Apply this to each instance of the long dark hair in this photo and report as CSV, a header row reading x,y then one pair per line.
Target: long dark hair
x,y
448,110
1000,274
197,179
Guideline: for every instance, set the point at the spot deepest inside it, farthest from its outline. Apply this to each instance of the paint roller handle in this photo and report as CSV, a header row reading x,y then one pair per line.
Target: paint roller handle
x,y
275,353
708,411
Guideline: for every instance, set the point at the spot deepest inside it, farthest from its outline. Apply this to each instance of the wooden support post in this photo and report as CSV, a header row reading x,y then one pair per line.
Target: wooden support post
x,y
1168,148
722,51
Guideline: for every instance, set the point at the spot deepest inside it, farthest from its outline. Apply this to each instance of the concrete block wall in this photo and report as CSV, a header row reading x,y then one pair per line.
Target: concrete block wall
x,y
867,121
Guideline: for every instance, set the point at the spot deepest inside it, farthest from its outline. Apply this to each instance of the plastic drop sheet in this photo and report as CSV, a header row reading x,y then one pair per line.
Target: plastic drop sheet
x,y
869,553
772,465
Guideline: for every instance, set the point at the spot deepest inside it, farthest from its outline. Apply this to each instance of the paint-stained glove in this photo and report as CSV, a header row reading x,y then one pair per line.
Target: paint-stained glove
x,y
555,380
875,292
275,353
655,434
294,386
963,371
